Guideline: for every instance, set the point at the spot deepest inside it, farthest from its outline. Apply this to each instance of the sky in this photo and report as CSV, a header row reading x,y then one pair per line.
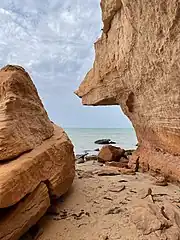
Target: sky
x,y
53,40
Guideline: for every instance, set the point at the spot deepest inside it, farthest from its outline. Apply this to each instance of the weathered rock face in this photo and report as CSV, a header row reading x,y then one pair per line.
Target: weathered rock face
x,y
137,67
51,162
28,180
27,212
24,123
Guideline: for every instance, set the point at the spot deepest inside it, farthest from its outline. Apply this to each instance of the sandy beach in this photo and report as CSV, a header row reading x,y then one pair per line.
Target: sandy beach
x,y
102,207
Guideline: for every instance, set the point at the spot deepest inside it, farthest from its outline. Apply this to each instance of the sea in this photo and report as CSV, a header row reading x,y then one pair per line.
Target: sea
x,y
83,138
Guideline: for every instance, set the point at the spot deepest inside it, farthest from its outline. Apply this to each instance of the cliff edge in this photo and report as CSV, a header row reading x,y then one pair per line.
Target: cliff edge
x,y
137,67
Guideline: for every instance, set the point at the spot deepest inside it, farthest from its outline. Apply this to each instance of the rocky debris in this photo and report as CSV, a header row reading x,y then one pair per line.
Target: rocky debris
x,y
108,172
24,121
127,171
41,162
110,153
104,141
161,181
122,164
154,220
84,174
131,65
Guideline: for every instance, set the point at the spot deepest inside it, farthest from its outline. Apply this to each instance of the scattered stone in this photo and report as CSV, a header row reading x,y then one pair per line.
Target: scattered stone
x,y
110,153
118,189
127,171
108,172
115,210
91,158
161,181
121,164
84,174
104,141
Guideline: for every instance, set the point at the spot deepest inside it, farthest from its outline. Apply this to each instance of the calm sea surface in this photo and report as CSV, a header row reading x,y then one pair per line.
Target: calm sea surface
x,y
83,138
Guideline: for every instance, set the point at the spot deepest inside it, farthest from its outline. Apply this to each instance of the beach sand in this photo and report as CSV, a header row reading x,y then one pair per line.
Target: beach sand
x,y
101,207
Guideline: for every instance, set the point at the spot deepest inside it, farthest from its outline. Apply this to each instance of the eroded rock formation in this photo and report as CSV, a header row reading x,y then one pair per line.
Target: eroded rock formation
x,y
28,180
137,67
24,123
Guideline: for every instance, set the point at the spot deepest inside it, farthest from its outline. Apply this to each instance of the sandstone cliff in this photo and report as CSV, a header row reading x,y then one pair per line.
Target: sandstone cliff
x,y
137,67
38,159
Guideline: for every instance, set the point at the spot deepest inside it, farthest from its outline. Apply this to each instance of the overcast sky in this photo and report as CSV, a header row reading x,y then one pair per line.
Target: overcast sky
x,y
53,40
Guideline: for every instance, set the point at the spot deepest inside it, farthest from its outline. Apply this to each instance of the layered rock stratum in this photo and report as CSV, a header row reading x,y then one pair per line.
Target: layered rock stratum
x,y
24,123
37,161
137,67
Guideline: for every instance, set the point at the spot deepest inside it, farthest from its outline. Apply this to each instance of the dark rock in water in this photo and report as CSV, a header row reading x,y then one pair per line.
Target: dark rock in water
x,y
104,141
137,144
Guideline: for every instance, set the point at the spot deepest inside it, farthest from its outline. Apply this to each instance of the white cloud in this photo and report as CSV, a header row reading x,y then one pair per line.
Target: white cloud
x,y
53,40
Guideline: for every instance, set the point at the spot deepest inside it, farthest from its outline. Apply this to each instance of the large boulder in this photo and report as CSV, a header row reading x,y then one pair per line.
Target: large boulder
x,y
24,123
110,153
38,159
137,67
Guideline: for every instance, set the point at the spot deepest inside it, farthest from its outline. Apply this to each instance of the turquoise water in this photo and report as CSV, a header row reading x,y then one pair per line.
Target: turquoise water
x,y
83,138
